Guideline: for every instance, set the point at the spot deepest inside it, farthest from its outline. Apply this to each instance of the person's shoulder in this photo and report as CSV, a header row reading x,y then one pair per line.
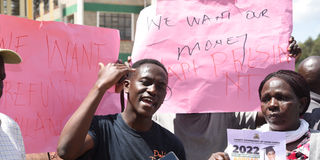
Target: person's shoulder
x,y
5,117
166,133
314,103
105,118
6,120
159,127
109,116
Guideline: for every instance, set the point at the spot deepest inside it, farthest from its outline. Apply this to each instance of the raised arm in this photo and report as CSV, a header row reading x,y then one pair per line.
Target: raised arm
x,y
74,139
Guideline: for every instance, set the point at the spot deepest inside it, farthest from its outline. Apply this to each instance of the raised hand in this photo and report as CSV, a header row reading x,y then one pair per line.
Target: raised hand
x,y
293,48
119,84
111,73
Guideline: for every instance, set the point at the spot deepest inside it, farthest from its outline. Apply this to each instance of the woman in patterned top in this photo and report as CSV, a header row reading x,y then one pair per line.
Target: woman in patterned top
x,y
285,97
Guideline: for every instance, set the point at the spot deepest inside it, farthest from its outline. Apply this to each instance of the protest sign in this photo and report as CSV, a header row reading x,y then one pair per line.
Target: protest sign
x,y
216,52
59,67
256,145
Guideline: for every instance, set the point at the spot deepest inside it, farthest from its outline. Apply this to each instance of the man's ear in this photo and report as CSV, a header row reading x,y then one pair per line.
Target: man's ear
x,y
303,104
126,85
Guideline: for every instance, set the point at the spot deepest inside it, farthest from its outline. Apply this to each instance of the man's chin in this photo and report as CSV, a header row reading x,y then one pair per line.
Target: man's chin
x,y
146,113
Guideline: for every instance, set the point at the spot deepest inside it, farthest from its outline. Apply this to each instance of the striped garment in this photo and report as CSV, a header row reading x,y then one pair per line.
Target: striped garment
x,y
11,142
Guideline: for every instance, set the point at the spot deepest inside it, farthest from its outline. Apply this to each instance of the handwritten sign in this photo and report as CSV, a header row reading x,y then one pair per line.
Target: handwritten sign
x,y
256,145
59,67
216,52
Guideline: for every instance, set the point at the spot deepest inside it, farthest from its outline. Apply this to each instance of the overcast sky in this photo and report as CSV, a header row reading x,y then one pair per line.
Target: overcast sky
x,y
306,19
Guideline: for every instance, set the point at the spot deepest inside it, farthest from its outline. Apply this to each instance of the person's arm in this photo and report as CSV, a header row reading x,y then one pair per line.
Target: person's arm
x,y
74,139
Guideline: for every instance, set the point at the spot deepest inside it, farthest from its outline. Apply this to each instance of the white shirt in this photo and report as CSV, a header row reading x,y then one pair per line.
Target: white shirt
x,y
11,142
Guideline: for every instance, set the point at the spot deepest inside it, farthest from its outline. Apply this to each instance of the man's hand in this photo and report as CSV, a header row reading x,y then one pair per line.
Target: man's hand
x,y
111,73
219,156
119,84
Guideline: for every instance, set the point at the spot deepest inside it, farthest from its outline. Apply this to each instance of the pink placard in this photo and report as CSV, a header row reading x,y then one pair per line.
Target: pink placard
x,y
216,52
59,67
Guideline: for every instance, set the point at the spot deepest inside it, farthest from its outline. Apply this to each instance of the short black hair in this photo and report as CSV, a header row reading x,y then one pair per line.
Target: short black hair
x,y
270,149
149,61
295,81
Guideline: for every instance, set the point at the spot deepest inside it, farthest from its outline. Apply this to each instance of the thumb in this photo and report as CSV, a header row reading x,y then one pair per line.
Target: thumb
x,y
101,65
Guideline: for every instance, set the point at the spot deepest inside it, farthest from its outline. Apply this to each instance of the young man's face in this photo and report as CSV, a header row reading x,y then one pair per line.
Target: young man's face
x,y
147,89
2,75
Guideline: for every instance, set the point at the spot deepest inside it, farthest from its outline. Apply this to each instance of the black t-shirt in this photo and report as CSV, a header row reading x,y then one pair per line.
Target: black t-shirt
x,y
115,140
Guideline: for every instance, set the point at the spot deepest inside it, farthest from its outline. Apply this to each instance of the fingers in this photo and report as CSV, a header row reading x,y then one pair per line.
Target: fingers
x,y
219,156
291,39
291,45
293,48
129,59
128,62
101,65
119,61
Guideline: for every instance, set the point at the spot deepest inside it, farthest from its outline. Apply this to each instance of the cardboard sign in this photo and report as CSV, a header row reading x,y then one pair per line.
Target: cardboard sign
x,y
216,52
256,145
59,67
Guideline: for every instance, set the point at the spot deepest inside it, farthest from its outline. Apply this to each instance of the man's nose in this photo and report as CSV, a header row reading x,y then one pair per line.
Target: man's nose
x,y
152,89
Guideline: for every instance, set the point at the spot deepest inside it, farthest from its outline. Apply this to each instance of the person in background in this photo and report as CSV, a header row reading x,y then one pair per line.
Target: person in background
x,y
11,142
285,97
309,68
128,135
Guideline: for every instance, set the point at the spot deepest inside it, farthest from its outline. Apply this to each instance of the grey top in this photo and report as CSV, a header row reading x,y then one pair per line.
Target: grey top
x,y
115,140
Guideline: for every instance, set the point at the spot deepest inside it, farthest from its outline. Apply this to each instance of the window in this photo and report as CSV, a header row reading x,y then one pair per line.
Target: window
x,y
117,21
15,5
46,6
55,4
70,19
36,11
5,8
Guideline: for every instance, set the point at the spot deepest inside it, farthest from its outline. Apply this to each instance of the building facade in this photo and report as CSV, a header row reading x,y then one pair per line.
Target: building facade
x,y
22,8
118,14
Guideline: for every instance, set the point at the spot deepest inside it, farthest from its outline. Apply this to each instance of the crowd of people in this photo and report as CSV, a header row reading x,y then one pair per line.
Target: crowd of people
x,y
290,103
287,105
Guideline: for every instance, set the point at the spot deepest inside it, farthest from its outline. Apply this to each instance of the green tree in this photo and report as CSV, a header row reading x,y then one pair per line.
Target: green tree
x,y
309,48
316,47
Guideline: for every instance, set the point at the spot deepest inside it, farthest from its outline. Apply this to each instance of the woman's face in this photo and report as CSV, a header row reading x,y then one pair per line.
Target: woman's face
x,y
280,105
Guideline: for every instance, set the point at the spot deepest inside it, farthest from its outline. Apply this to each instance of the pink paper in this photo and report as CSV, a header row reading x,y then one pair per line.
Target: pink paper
x,y
216,52
59,67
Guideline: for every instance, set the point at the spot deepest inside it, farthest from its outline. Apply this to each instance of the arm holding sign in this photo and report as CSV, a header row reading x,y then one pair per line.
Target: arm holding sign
x,y
74,139
294,49
295,52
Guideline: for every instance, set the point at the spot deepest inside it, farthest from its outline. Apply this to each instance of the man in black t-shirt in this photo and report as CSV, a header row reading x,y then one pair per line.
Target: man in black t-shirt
x,y
128,135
